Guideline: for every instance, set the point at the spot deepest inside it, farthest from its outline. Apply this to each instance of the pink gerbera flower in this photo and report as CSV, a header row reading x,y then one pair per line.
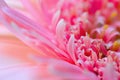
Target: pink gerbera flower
x,y
72,39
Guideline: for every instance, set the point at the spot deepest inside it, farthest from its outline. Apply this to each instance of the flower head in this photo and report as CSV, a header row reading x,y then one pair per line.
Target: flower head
x,y
80,39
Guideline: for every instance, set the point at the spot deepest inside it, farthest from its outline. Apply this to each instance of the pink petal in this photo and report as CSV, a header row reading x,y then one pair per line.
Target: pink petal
x,y
71,48
109,72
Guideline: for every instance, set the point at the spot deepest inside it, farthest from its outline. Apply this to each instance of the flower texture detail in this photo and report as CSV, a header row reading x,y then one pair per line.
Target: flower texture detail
x,y
78,39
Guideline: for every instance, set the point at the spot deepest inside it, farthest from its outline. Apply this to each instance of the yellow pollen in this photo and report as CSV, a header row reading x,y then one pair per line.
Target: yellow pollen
x,y
116,45
105,26
113,15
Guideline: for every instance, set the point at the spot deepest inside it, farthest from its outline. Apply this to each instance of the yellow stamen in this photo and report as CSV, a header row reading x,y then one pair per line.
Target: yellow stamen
x,y
105,26
113,15
116,45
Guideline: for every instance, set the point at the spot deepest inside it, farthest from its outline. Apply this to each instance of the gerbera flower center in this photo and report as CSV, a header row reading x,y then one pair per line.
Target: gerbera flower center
x,y
95,39
85,33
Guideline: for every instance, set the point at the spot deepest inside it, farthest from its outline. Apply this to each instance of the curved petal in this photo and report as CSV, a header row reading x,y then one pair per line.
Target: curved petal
x,y
12,50
64,70
32,32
